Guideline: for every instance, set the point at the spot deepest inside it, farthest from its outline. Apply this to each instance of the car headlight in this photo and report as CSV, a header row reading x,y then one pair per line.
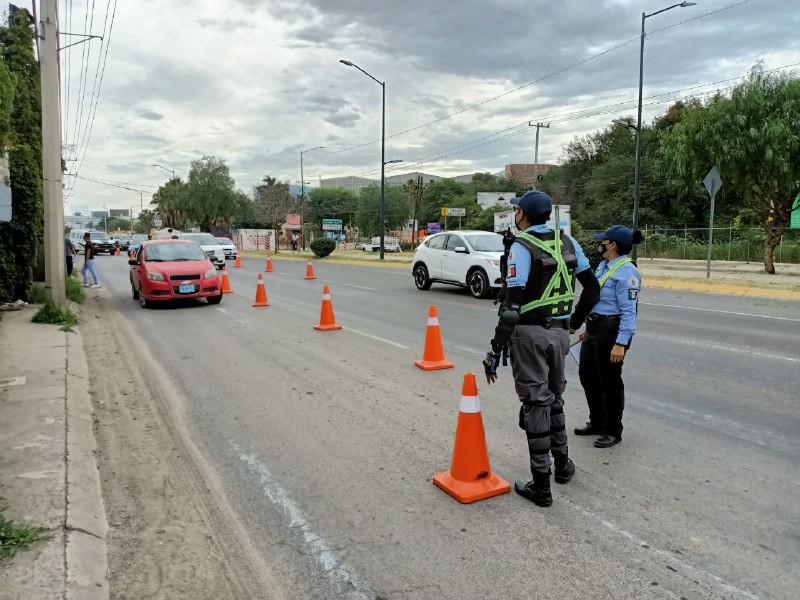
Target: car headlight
x,y
494,263
211,273
153,276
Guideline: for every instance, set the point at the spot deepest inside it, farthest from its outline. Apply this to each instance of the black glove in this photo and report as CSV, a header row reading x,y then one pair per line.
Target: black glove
x,y
490,364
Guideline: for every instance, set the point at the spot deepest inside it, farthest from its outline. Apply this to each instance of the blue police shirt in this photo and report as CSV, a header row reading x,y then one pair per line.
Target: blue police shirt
x,y
618,296
519,261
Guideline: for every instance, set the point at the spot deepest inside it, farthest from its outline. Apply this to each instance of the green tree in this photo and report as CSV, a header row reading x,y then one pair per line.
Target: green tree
x,y
273,202
171,203
211,193
396,209
753,138
20,131
331,203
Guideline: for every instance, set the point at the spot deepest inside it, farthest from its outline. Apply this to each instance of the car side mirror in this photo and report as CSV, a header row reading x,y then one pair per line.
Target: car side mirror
x,y
133,262
461,250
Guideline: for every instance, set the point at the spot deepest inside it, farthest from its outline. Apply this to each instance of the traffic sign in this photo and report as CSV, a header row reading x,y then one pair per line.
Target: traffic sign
x,y
712,182
331,224
794,222
455,212
444,212
157,223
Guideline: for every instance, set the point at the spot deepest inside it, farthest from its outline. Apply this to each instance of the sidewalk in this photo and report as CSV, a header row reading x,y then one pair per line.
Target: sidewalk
x,y
48,473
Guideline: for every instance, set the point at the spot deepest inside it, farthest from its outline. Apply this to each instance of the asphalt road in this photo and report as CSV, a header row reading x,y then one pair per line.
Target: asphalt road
x,y
327,441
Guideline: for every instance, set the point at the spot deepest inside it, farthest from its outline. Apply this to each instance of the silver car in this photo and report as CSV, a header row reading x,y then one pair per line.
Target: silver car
x,y
228,246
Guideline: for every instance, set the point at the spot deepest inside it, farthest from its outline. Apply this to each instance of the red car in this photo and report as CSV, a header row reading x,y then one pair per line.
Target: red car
x,y
173,269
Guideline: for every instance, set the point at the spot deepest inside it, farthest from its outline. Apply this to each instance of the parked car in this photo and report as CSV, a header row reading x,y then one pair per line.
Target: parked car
x,y
390,244
228,247
123,241
173,269
102,242
136,242
469,259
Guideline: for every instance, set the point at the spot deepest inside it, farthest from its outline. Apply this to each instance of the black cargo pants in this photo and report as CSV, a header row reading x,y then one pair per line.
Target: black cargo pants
x,y
537,362
602,380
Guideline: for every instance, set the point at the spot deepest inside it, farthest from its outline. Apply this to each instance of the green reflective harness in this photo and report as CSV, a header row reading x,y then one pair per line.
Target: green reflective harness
x,y
562,274
613,270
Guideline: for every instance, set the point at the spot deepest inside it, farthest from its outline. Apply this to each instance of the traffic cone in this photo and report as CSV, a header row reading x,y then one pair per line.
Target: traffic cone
x,y
116,252
226,285
470,477
261,292
327,322
268,268
433,355
238,264
310,270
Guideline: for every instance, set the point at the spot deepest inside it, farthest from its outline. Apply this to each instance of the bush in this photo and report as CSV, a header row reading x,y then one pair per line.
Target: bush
x,y
75,290
322,247
56,315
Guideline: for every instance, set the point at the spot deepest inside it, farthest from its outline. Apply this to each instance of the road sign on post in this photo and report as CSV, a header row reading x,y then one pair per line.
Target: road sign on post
x,y
456,212
713,183
331,224
794,221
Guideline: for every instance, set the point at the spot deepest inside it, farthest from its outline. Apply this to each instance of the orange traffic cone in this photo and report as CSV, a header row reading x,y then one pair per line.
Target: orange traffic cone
x,y
310,270
226,285
268,268
433,355
470,477
261,292
116,252
238,264
327,322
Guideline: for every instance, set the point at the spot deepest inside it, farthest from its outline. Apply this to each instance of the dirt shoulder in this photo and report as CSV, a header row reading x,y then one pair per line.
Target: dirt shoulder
x,y
172,535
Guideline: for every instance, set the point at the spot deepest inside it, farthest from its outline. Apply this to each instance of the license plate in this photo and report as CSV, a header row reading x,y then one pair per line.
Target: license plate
x,y
186,289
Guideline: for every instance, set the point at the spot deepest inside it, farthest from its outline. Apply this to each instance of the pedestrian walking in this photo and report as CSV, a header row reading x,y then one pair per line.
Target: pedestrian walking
x,y
535,316
609,331
69,252
88,262
295,241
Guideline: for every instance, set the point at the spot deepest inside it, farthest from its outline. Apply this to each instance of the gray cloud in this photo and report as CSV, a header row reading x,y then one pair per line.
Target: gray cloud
x,y
150,115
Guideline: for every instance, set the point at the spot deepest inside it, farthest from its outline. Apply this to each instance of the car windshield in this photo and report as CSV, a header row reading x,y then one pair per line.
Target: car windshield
x,y
206,239
482,242
224,241
173,252
139,237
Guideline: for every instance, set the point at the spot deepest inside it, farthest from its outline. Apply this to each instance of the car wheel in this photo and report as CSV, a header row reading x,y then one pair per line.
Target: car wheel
x,y
135,293
421,279
215,299
478,283
142,300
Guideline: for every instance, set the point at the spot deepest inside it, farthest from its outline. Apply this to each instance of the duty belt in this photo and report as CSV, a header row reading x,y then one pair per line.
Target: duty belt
x,y
598,317
546,322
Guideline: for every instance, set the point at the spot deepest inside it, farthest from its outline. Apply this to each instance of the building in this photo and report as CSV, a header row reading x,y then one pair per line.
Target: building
x,y
352,183
526,174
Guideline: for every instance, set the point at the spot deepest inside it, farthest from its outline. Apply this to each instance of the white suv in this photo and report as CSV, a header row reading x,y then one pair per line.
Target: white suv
x,y
470,259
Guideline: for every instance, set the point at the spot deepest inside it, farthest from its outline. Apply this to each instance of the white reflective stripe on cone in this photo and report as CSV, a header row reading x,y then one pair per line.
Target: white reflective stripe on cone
x,y
326,296
433,321
470,404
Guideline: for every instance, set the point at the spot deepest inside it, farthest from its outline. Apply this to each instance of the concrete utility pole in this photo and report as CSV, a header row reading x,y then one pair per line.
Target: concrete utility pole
x,y
536,148
54,263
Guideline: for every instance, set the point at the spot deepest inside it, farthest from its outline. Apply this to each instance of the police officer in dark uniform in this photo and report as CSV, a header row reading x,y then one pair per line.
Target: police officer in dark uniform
x,y
535,322
609,330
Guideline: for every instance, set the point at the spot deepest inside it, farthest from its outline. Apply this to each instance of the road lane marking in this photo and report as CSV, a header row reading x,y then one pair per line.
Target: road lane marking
x,y
722,583
361,287
375,337
346,582
724,312
739,349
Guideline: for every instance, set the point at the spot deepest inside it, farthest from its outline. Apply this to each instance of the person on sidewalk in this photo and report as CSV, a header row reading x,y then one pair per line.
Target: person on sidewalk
x,y
69,252
609,330
88,262
295,241
534,320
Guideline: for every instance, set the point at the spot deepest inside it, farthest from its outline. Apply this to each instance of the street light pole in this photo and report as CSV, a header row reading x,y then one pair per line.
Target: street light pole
x,y
166,169
383,147
638,172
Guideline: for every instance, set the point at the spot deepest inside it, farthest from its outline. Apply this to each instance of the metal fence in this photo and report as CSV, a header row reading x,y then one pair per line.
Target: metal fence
x,y
729,243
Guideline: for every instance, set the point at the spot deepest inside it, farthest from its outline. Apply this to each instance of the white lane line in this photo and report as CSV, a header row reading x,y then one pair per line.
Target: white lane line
x,y
230,316
361,287
375,337
726,347
346,581
724,312
725,585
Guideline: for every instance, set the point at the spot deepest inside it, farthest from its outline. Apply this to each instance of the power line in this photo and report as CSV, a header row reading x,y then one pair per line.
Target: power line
x,y
82,84
122,187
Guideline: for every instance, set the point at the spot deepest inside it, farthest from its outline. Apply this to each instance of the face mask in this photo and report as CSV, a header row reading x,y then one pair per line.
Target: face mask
x,y
601,250
516,222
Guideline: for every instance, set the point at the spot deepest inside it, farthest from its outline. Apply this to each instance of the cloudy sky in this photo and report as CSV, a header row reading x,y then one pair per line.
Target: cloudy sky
x,y
254,82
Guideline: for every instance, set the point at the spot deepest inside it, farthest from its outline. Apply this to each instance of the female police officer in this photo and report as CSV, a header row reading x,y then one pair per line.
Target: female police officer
x,y
609,331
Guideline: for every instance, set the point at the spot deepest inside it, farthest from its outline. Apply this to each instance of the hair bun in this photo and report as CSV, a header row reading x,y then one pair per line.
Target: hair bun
x,y
638,238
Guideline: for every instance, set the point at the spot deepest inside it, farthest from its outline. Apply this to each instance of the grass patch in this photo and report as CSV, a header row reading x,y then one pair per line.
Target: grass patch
x,y
37,294
75,290
16,536
56,315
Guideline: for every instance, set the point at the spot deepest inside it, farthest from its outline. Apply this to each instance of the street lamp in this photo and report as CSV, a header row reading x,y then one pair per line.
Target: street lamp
x,y
638,129
303,197
383,143
166,169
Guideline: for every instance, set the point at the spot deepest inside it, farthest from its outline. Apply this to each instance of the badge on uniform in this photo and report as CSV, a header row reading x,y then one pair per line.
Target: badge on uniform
x,y
512,270
633,294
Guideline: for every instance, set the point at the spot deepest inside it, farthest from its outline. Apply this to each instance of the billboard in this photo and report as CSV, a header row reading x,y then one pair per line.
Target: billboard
x,y
489,199
505,220
120,212
99,214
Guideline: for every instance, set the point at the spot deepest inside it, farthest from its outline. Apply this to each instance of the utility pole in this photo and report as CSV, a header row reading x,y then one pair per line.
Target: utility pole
x,y
52,174
536,148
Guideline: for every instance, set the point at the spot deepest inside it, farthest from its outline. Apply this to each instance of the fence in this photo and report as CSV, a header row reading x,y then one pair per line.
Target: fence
x,y
744,245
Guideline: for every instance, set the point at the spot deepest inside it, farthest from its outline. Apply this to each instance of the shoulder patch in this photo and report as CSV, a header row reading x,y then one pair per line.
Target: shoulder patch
x,y
512,270
633,282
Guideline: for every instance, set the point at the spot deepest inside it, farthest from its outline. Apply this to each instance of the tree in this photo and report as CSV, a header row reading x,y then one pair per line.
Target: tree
x,y
414,191
273,202
210,191
753,138
396,209
20,131
171,202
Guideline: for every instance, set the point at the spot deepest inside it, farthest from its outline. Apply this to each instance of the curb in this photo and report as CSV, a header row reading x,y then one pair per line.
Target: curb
x,y
666,282
86,526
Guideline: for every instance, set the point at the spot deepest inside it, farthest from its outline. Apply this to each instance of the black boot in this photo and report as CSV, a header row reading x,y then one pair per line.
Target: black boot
x,y
607,441
565,468
537,490
589,429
